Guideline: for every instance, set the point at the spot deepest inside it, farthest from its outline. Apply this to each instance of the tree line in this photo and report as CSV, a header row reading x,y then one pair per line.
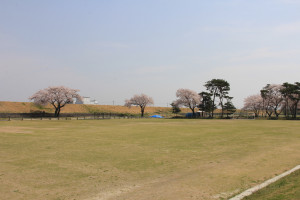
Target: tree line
x,y
275,99
215,96
206,101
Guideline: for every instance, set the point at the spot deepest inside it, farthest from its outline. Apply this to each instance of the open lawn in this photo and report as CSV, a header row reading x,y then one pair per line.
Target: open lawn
x,y
142,159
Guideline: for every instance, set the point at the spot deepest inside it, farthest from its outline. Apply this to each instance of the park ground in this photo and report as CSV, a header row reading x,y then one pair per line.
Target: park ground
x,y
141,159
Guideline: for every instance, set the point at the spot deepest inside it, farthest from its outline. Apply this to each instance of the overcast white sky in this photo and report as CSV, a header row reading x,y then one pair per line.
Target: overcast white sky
x,y
111,50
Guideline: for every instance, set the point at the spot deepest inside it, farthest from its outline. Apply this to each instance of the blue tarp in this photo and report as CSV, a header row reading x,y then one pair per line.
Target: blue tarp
x,y
156,116
189,115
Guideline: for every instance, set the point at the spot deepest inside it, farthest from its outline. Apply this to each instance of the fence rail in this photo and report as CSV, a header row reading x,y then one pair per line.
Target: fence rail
x,y
98,116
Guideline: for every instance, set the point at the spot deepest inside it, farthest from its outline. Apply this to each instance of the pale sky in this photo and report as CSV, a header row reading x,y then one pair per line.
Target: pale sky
x,y
111,50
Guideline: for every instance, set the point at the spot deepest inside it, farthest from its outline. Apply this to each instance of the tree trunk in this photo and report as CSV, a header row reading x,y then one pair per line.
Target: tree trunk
x,y
142,111
212,106
222,108
287,108
296,109
276,113
256,113
292,110
269,113
222,114
193,110
57,112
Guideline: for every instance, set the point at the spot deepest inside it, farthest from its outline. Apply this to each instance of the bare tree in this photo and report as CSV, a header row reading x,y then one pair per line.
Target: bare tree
x,y
139,100
254,103
57,96
187,98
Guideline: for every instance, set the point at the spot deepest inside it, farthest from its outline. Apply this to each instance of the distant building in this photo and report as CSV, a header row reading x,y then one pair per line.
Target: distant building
x,y
94,101
86,100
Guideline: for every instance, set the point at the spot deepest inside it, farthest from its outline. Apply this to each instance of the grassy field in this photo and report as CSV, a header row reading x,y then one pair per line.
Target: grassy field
x,y
143,158
286,188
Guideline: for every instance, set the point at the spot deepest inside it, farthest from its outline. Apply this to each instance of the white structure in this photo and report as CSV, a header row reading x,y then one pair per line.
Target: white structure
x,y
94,101
86,100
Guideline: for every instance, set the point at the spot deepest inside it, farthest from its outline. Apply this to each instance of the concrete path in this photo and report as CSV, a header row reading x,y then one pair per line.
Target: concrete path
x,y
264,184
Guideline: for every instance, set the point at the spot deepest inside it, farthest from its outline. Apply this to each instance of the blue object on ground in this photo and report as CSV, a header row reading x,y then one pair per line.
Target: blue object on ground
x,y
156,116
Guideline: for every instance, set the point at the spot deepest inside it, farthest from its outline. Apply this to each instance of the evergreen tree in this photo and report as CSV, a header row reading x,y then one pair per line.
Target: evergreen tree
x,y
206,104
175,108
218,88
229,107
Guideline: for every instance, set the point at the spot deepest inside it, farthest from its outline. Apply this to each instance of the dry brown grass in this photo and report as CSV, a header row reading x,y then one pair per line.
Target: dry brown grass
x,y
27,107
141,159
17,107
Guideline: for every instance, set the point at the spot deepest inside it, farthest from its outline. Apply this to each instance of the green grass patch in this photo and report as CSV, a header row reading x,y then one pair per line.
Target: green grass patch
x,y
287,188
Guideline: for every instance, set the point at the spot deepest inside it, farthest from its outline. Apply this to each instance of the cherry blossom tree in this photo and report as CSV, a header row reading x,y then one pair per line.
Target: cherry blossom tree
x,y
57,96
254,103
187,98
139,100
273,99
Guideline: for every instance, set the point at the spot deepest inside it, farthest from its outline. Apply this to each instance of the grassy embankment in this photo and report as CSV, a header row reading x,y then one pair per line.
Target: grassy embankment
x,y
27,107
141,159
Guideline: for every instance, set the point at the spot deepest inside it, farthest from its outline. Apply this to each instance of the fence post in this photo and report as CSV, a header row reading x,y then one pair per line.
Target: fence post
x,y
8,118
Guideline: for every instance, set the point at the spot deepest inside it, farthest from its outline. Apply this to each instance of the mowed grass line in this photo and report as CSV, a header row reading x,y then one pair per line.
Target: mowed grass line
x,y
157,159
287,188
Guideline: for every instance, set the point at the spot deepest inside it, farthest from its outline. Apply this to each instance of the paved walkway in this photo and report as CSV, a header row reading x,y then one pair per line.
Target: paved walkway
x,y
264,184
